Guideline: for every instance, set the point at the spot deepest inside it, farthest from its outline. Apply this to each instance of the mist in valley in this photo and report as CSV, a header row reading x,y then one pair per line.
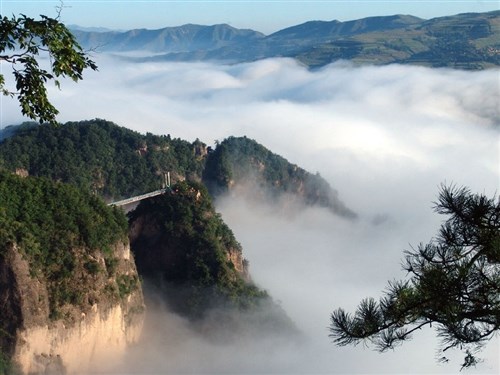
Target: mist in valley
x,y
384,137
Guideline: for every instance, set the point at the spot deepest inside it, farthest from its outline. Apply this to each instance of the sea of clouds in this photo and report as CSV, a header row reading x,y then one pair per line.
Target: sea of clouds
x,y
385,138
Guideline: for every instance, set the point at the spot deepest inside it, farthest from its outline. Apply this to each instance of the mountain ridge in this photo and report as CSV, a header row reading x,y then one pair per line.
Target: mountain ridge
x,y
464,41
115,162
186,37
339,28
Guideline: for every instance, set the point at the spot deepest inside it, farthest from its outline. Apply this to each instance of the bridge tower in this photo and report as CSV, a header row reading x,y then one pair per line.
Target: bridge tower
x,y
166,181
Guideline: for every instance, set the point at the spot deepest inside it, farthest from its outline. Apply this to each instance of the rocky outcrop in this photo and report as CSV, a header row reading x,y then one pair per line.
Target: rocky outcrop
x,y
102,318
240,264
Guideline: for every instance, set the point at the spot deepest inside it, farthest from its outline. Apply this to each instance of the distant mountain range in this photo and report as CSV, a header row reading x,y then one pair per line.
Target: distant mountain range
x,y
186,38
466,41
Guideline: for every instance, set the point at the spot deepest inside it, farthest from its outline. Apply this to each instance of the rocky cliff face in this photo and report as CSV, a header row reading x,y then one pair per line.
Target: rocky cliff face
x,y
106,316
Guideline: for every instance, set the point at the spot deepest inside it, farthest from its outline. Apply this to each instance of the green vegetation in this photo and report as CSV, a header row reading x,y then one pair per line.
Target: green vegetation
x,y
115,162
192,250
189,250
240,160
127,284
100,156
54,226
465,41
454,284
22,41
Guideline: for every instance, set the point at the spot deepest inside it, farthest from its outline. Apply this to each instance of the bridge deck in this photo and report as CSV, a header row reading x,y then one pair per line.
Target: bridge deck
x,y
138,198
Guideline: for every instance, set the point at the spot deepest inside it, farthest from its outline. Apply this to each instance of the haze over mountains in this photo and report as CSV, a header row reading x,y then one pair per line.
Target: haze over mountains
x,y
467,41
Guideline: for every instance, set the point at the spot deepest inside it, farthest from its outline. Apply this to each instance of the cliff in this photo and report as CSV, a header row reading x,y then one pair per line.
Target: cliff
x,y
99,330
191,259
183,247
70,294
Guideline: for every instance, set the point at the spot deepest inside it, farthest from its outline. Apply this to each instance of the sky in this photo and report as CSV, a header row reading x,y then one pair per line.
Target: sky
x,y
266,16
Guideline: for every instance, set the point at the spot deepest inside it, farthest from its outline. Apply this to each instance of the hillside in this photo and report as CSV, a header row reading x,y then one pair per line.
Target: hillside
x,y
465,41
115,162
243,166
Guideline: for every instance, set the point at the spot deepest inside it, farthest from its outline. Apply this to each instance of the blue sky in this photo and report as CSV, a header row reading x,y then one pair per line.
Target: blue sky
x,y
266,16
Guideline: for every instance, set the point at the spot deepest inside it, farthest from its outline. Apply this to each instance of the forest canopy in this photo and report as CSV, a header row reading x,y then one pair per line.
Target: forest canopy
x,y
100,156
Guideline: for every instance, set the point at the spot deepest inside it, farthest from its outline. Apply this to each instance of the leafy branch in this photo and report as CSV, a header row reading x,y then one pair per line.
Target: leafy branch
x,y
23,41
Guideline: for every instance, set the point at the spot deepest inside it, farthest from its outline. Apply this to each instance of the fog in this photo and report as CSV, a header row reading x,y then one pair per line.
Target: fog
x,y
384,137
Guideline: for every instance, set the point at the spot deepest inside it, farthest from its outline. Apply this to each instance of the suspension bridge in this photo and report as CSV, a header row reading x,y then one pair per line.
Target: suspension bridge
x,y
165,188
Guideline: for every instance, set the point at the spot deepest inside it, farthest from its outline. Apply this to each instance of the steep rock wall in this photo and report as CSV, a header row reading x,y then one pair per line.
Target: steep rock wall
x,y
97,330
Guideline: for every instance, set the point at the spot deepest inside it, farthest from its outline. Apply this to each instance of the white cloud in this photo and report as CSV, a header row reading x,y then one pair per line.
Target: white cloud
x,y
384,137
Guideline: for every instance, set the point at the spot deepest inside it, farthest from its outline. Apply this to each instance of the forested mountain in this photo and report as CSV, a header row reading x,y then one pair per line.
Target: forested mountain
x,y
467,41
65,259
100,156
49,221
116,162
242,162
184,248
